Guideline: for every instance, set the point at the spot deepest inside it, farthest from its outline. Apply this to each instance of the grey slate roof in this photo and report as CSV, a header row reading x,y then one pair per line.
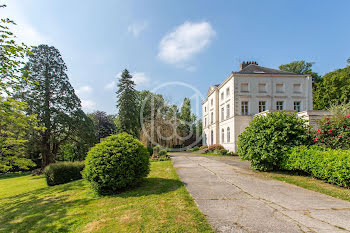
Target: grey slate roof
x,y
256,69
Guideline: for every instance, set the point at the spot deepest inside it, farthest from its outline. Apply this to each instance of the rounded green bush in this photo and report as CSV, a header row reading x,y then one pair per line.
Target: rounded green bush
x,y
267,139
117,162
163,152
223,151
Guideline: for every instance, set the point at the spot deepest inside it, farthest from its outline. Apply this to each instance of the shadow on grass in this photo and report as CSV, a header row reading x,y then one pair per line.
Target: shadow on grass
x,y
61,208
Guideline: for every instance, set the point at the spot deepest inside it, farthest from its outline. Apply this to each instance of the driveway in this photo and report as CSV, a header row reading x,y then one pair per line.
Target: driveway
x,y
234,199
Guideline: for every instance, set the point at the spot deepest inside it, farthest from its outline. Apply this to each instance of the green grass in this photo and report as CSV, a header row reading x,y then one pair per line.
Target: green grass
x,y
310,183
160,204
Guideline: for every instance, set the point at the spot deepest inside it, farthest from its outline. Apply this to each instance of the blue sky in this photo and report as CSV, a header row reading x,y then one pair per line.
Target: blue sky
x,y
193,42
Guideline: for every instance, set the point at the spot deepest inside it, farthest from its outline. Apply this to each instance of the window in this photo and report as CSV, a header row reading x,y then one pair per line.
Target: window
x,y
279,88
262,106
222,114
205,122
212,118
205,109
227,111
222,96
244,105
297,106
228,92
297,88
222,135
244,87
279,105
262,87
228,134
211,102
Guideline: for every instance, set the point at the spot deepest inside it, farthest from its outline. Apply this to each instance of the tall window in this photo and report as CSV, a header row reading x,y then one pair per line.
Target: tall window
x,y
222,114
297,106
228,134
279,87
211,102
228,92
222,135
262,87
211,138
205,109
244,108
227,111
222,96
205,122
244,87
212,118
262,106
279,105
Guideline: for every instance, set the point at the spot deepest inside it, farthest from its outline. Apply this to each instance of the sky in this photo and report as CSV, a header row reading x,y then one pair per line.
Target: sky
x,y
179,48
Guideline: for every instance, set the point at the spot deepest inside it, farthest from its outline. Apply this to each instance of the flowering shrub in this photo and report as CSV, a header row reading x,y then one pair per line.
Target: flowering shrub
x,y
213,147
334,132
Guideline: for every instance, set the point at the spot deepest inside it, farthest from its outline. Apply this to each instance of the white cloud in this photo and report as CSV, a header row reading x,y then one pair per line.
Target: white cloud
x,y
24,31
136,28
140,79
83,90
111,85
88,105
185,41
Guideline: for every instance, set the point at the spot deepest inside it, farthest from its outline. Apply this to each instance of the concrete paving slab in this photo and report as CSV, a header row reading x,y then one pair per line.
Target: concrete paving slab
x,y
236,200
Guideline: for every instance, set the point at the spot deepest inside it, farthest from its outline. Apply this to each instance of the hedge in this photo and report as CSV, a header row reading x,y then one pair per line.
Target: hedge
x,y
63,172
326,164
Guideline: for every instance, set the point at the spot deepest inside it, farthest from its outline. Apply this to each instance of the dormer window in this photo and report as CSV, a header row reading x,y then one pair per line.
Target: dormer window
x,y
244,87
279,88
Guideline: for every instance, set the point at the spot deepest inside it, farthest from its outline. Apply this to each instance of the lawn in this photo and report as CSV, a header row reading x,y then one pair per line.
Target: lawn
x,y
160,204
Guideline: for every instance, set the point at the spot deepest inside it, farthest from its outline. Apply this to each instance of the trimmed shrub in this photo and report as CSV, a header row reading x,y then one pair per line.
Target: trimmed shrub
x,y
162,152
214,147
267,139
326,164
223,151
196,148
150,150
63,172
116,163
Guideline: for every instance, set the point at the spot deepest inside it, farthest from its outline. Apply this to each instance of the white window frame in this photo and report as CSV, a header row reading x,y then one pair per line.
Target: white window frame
x,y
298,105
228,134
222,135
227,92
244,84
222,113
264,88
245,108
298,89
262,106
280,107
228,111
282,88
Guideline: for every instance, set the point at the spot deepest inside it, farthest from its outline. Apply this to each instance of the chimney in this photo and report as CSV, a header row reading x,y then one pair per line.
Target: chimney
x,y
245,64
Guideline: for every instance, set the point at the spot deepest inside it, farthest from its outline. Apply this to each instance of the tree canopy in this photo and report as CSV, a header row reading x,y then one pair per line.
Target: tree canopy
x,y
52,99
301,67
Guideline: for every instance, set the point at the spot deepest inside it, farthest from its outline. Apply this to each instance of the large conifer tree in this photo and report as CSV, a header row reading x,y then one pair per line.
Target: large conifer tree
x,y
127,104
52,99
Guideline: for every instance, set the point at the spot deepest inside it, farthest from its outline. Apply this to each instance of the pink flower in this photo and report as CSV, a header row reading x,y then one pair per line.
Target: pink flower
x,y
340,136
322,141
348,116
315,139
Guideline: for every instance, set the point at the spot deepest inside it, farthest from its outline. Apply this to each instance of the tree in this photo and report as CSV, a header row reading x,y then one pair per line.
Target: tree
x,y
127,105
334,89
301,67
14,125
11,58
103,124
52,99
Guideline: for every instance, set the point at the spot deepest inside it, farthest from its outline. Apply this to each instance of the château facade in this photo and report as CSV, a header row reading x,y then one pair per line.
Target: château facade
x,y
231,105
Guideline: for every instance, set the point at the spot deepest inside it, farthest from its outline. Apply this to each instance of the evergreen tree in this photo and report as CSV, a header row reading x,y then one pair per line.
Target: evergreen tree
x,y
52,99
103,123
127,104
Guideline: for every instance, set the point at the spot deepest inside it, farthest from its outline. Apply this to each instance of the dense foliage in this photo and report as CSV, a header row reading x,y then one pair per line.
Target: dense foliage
x,y
301,67
127,104
53,100
326,164
103,124
267,139
63,172
115,163
334,89
14,126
